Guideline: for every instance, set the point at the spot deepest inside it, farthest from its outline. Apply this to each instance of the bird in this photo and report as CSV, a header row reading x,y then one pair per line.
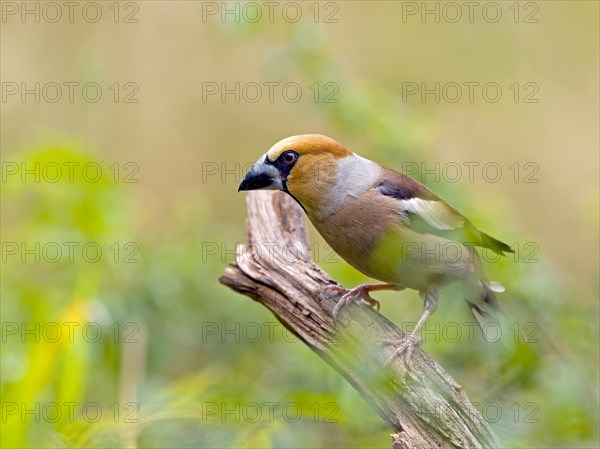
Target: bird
x,y
382,222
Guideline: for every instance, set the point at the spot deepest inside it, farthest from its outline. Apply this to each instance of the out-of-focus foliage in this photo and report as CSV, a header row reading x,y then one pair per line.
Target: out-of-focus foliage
x,y
140,346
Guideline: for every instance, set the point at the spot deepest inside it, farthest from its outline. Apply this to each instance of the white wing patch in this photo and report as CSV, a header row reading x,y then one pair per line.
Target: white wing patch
x,y
435,213
496,287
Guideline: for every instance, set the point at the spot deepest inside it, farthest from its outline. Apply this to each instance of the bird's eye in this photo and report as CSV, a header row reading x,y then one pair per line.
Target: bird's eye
x,y
289,157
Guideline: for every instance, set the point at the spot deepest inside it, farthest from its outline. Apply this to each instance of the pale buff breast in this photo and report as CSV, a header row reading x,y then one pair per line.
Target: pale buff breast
x,y
355,230
368,233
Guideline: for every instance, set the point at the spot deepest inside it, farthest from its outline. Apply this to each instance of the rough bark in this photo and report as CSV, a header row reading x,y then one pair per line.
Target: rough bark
x,y
423,405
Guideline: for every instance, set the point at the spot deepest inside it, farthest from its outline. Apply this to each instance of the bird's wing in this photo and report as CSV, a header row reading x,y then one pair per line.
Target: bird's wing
x,y
427,213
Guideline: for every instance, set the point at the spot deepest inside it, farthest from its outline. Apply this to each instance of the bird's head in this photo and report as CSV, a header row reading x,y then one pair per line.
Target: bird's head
x,y
306,167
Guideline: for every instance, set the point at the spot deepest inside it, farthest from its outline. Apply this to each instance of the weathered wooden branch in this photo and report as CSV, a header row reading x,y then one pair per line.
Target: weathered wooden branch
x,y
423,405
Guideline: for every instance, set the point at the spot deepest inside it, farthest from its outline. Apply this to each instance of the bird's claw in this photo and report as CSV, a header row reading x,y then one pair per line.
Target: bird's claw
x,y
360,292
342,302
337,288
405,345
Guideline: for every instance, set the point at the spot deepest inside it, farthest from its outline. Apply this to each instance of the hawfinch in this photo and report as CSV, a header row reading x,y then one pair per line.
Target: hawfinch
x,y
382,222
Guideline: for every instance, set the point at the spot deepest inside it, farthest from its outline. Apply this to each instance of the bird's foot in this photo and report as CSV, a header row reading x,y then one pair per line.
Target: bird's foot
x,y
360,292
405,346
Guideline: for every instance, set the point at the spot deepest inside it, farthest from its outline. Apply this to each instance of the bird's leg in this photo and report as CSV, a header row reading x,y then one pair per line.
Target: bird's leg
x,y
407,343
360,292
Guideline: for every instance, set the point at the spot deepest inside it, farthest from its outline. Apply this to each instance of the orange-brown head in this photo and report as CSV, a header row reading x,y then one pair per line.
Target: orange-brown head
x,y
306,166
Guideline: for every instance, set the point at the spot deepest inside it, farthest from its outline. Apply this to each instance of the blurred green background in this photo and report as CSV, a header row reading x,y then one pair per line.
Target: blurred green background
x,y
115,330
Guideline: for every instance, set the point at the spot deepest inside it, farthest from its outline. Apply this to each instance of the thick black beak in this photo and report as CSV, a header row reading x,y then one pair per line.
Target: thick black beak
x,y
255,181
262,176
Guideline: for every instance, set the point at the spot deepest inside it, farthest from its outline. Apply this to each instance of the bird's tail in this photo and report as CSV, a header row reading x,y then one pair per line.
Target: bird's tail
x,y
481,298
486,309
